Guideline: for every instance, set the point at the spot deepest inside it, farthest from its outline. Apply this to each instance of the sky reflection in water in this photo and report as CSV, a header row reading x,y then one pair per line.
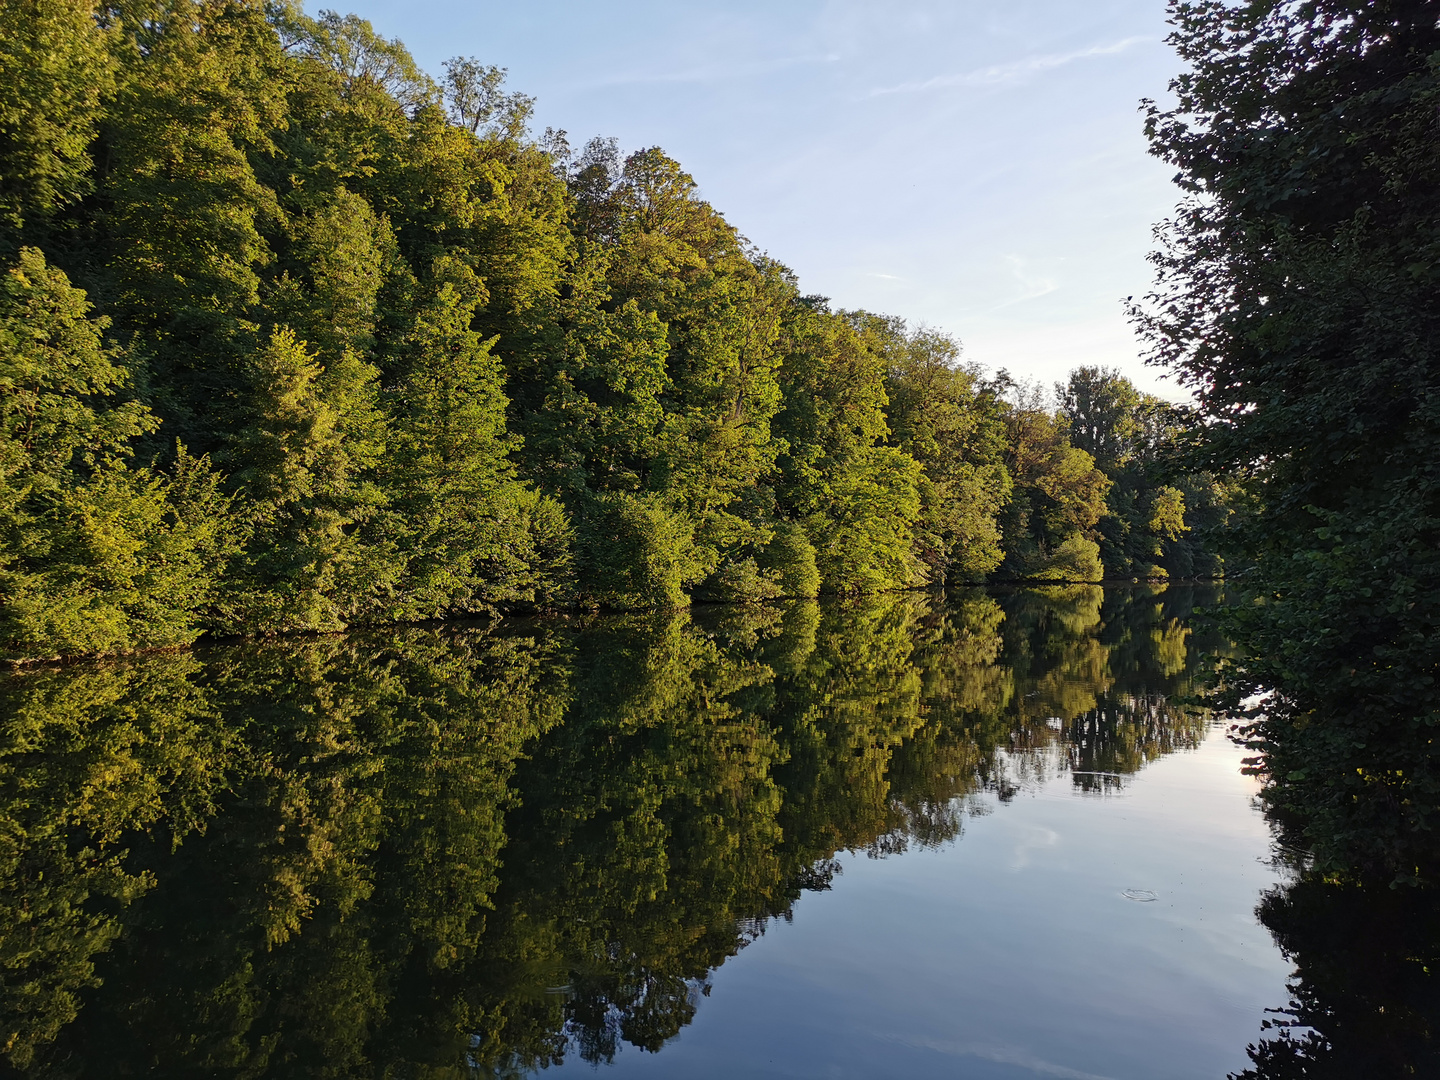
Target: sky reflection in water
x,y
883,838
1015,952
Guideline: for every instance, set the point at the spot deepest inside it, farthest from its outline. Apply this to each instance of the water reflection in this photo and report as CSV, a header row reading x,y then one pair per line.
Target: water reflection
x,y
482,851
1365,1002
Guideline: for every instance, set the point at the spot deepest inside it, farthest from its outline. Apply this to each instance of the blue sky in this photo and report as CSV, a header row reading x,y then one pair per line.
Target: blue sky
x,y
978,167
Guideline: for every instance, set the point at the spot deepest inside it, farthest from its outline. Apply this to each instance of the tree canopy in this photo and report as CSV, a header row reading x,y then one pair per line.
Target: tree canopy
x,y
302,338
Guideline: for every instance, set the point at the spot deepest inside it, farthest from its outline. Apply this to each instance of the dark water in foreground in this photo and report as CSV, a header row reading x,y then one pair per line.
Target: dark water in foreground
x,y
914,837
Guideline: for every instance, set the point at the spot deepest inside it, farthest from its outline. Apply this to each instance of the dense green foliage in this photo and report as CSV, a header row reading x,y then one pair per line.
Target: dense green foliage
x,y
1297,298
296,338
1160,519
457,851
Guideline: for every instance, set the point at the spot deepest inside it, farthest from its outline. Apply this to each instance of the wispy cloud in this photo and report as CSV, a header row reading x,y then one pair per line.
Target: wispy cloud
x,y
885,277
1013,72
1033,285
710,73
1004,1055
1033,838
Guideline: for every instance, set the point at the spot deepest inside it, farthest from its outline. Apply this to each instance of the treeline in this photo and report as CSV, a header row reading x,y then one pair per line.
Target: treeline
x,y
295,337
456,851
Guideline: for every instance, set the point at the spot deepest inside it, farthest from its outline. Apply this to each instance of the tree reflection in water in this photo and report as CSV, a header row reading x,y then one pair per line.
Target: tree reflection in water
x,y
1364,997
477,851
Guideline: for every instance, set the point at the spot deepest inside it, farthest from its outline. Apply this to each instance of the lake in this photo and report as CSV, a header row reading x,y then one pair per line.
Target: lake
x,y
981,835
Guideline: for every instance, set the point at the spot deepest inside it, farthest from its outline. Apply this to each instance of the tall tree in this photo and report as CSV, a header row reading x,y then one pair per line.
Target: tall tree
x,y
1296,298
304,463
59,69
470,533
943,414
1058,498
95,556
202,91
1135,439
857,498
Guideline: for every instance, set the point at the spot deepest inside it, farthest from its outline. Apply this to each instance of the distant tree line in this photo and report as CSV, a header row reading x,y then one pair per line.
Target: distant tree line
x,y
295,337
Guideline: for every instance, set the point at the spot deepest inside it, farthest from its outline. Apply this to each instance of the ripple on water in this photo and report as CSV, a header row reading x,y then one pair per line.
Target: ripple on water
x,y
1140,896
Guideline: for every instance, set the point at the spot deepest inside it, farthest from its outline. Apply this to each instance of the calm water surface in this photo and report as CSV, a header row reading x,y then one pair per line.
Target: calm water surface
x,y
1017,952
976,836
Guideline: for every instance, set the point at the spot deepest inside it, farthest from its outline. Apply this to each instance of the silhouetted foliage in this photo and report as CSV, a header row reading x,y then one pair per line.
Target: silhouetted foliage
x,y
1365,997
1296,299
